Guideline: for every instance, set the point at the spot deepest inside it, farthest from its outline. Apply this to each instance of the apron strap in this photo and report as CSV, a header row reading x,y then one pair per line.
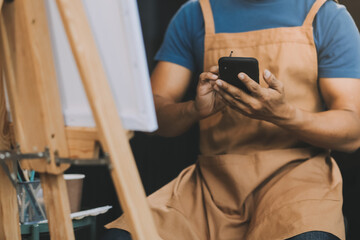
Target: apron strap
x,y
312,13
208,17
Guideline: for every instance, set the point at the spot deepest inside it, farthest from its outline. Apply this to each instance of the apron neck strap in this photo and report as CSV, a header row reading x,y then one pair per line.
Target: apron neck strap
x,y
312,13
208,17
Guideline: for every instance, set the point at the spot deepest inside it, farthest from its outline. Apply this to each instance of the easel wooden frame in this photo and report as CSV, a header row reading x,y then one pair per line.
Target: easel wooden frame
x,y
38,121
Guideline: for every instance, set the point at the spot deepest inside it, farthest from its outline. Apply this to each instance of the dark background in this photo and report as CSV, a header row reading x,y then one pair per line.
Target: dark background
x,y
160,159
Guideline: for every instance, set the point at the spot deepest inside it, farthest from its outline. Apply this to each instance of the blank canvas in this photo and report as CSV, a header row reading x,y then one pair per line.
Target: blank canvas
x,y
117,32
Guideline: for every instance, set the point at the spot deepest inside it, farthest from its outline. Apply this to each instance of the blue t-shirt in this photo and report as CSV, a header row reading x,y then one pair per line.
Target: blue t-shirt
x,y
336,36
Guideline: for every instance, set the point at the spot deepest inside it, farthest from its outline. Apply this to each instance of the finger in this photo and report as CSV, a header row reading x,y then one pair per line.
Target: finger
x,y
233,103
230,89
236,99
214,69
206,76
251,85
273,83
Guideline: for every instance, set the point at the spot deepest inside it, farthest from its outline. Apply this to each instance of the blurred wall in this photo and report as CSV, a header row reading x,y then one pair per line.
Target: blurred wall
x,y
353,6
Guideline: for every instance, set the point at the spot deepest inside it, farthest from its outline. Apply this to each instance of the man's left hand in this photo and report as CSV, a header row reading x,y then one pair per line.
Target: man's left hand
x,y
264,103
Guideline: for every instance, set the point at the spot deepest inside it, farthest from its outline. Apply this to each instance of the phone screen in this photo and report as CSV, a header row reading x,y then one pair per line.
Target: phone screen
x,y
230,67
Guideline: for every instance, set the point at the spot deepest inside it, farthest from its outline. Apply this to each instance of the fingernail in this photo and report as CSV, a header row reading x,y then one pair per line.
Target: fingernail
x,y
242,76
219,83
267,73
214,76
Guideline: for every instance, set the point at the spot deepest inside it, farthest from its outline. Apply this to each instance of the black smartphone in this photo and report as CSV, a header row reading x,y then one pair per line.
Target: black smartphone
x,y
230,67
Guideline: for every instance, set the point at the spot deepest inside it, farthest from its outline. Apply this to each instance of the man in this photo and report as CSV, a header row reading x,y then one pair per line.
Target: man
x,y
264,170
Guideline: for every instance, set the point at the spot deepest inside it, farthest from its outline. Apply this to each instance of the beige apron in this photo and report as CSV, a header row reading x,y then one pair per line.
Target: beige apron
x,y
254,180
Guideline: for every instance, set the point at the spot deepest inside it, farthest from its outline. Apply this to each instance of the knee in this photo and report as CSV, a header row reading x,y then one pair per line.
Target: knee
x,y
315,235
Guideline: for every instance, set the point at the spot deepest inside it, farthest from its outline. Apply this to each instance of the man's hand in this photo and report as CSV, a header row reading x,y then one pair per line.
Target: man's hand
x,y
207,101
262,103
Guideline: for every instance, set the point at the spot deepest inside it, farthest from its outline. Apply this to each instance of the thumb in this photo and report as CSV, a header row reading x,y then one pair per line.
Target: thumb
x,y
271,80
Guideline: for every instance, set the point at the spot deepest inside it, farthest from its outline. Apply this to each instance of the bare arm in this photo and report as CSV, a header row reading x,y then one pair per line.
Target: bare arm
x,y
338,128
169,83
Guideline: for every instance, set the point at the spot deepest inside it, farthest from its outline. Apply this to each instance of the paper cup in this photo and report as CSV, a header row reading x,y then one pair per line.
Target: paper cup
x,y
74,184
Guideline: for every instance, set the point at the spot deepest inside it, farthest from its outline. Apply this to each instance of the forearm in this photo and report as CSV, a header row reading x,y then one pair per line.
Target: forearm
x,y
333,129
174,118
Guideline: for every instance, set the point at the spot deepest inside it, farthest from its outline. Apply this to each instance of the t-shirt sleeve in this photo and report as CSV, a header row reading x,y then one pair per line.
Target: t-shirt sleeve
x,y
339,43
176,47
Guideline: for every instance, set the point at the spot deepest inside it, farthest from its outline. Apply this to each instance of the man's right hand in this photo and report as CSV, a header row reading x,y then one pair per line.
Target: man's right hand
x,y
208,101
169,83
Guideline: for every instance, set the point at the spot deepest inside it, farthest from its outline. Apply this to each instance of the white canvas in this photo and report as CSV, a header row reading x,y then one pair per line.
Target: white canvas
x,y
117,32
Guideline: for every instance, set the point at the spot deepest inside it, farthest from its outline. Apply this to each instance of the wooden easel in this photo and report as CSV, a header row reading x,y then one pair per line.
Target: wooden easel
x,y
26,57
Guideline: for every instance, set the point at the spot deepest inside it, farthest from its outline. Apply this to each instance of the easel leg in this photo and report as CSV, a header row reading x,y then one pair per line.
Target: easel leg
x,y
112,135
57,206
9,215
